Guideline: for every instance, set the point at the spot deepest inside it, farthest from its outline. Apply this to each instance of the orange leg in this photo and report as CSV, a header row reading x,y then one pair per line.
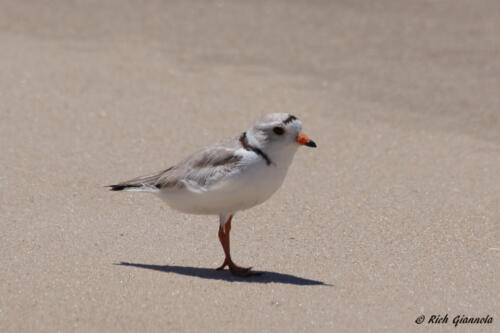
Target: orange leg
x,y
224,240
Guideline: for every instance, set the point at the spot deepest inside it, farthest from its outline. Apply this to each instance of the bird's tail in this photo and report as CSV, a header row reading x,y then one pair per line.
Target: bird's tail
x,y
124,187
145,183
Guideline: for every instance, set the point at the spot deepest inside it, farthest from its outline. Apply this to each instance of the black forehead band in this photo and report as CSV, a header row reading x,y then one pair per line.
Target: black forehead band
x,y
289,119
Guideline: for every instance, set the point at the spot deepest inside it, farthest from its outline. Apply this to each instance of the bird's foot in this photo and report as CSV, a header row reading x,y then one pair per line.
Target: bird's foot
x,y
227,262
242,271
238,270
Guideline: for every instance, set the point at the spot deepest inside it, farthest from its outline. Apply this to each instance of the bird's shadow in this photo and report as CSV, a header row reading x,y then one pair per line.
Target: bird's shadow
x,y
212,274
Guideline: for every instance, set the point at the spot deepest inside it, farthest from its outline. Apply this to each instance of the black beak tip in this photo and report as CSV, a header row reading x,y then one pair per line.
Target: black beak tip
x,y
311,144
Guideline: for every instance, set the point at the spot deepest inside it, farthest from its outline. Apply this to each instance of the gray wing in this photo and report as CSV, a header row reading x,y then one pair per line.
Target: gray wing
x,y
197,171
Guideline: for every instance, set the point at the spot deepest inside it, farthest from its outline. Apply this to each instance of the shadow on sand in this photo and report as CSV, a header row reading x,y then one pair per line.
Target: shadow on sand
x,y
212,274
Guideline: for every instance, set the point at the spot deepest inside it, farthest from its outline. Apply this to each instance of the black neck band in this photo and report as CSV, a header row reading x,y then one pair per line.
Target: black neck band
x,y
247,146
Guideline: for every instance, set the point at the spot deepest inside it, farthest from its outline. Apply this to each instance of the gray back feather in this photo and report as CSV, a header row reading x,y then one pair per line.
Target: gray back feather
x,y
198,170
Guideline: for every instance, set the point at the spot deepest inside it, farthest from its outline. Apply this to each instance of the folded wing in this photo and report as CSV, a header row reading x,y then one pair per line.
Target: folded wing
x,y
197,172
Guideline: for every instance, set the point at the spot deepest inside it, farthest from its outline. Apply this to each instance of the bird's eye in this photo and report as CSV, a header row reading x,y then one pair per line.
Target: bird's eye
x,y
278,130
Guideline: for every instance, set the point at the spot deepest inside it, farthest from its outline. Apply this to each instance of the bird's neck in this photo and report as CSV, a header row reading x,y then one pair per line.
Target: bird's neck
x,y
278,156
254,139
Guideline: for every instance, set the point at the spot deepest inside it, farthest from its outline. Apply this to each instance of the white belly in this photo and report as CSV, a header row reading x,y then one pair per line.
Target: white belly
x,y
239,191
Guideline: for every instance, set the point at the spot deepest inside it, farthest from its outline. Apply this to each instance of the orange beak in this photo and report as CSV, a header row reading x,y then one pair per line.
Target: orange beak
x,y
303,140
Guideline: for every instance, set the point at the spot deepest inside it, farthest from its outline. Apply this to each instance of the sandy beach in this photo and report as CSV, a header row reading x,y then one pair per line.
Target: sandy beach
x,y
395,215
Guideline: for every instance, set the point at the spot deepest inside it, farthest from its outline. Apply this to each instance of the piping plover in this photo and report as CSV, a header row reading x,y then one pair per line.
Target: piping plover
x,y
232,175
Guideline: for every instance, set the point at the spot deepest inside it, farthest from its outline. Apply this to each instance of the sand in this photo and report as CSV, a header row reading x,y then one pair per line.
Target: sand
x,y
394,215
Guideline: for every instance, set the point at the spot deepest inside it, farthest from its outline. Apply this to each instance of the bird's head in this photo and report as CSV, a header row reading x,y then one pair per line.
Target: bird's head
x,y
278,133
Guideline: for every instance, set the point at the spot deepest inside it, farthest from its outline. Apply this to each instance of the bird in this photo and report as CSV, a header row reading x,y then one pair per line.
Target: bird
x,y
229,176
